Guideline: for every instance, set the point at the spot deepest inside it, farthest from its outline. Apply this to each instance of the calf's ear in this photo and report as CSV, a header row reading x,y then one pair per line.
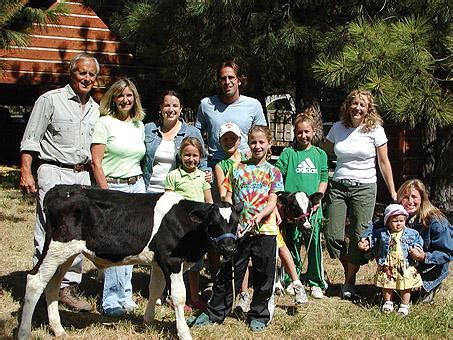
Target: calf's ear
x,y
282,197
316,198
198,216
238,207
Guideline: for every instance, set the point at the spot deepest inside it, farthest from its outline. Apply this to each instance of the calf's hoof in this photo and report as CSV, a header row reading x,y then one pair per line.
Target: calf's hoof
x,y
60,334
185,336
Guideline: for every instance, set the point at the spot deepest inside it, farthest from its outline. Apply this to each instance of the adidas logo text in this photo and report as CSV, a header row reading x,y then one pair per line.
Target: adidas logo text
x,y
306,167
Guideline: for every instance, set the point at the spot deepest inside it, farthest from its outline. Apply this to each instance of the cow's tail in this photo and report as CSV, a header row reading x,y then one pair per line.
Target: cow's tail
x,y
48,228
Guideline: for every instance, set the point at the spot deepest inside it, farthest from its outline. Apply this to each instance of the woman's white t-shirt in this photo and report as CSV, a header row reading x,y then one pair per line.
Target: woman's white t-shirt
x,y
356,152
164,162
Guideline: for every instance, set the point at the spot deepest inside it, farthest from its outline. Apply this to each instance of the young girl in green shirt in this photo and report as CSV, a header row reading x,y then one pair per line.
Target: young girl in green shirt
x,y
189,181
304,168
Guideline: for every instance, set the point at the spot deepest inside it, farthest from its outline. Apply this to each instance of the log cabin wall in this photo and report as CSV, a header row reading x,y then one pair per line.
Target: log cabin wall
x,y
43,65
405,154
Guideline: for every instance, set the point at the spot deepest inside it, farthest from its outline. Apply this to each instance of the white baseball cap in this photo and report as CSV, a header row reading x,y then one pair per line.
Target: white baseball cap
x,y
230,127
394,209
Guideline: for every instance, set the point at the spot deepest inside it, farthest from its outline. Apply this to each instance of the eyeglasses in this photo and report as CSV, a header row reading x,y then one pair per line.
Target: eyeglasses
x,y
227,79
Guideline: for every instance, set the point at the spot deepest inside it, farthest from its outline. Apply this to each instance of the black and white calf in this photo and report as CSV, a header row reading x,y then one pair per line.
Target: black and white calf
x,y
296,207
112,228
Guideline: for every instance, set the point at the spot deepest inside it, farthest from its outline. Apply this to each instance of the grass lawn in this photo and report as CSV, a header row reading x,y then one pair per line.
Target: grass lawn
x,y
330,317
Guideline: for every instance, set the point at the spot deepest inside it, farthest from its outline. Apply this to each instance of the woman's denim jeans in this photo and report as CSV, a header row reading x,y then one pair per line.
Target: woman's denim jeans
x,y
117,280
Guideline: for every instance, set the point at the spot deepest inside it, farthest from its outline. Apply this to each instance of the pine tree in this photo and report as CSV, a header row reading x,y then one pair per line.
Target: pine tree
x,y
405,63
315,50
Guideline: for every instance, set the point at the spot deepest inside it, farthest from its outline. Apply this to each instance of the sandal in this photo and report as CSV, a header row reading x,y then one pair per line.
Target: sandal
x,y
199,321
387,307
404,309
257,326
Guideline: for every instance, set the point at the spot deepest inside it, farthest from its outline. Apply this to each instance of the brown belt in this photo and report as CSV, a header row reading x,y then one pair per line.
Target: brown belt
x,y
131,180
73,167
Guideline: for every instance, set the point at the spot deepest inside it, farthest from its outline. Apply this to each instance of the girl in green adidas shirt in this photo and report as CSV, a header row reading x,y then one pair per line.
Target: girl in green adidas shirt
x,y
304,168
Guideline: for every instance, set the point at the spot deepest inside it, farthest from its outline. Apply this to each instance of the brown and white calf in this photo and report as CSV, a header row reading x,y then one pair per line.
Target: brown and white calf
x,y
113,228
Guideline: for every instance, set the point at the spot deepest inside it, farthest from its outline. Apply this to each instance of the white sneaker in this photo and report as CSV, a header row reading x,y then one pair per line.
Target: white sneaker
x,y
290,289
300,295
130,306
279,290
316,292
244,301
159,302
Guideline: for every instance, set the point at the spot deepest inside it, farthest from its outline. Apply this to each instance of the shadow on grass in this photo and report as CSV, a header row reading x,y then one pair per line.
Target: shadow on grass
x,y
91,287
366,296
12,218
290,309
10,179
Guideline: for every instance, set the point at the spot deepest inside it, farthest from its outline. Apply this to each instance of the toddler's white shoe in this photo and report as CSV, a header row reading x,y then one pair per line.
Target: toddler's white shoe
x,y
387,307
316,292
403,310
300,296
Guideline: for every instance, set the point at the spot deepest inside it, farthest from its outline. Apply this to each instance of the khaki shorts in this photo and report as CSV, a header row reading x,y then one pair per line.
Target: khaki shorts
x,y
280,241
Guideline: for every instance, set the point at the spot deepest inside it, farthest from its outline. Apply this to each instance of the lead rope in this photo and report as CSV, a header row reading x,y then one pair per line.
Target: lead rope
x,y
232,284
311,238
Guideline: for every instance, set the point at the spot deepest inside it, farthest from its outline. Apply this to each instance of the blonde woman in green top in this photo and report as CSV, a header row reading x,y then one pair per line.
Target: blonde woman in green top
x,y
117,147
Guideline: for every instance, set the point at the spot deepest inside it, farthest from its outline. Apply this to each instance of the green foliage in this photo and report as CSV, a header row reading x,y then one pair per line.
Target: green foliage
x,y
314,49
393,60
17,20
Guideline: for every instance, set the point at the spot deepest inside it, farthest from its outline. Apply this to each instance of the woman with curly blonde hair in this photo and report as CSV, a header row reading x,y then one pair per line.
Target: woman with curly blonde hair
x,y
371,119
357,139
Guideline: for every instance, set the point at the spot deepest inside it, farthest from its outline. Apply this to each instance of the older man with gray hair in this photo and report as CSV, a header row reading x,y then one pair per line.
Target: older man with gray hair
x,y
58,138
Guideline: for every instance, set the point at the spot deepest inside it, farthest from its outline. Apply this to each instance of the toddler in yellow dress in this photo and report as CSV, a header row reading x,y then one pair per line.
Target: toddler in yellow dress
x,y
390,244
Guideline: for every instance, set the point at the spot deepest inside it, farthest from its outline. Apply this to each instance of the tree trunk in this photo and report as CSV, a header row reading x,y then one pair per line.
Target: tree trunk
x,y
307,89
437,170
307,92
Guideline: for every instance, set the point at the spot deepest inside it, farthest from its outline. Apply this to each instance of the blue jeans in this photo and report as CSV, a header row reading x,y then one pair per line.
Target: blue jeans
x,y
117,280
